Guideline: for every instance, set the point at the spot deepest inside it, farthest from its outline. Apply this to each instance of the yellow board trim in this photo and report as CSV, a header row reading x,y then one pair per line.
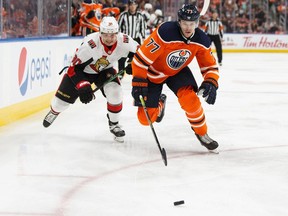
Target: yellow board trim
x,y
23,109
252,51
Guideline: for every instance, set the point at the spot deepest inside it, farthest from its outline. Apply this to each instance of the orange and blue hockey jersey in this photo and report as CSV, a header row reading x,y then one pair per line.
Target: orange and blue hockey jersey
x,y
166,52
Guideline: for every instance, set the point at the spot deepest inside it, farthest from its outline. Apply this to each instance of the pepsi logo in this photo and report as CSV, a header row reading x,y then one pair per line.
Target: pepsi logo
x,y
22,72
33,70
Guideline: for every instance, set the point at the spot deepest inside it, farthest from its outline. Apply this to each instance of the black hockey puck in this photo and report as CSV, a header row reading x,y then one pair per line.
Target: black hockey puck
x,y
181,202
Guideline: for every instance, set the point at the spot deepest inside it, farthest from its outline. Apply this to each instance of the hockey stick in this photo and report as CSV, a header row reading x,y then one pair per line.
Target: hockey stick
x,y
96,88
93,85
162,150
205,7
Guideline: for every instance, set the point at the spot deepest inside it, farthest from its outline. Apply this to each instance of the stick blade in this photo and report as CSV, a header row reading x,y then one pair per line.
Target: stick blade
x,y
164,156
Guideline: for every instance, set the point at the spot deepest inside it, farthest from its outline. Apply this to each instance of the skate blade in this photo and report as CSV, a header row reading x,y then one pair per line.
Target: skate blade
x,y
215,151
119,139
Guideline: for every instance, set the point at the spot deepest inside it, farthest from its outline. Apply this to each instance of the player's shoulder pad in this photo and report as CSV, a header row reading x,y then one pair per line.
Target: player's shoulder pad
x,y
169,31
201,38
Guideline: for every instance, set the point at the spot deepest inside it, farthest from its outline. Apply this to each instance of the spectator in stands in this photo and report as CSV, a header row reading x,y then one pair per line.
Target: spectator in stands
x,y
55,17
90,17
122,5
75,17
3,13
108,3
157,4
21,16
110,9
260,15
242,24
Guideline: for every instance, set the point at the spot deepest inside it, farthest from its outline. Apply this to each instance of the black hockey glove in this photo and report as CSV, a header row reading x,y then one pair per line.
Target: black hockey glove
x,y
85,91
128,69
139,87
208,90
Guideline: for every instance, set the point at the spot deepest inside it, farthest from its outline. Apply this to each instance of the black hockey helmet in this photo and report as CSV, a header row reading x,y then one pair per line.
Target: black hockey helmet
x,y
188,12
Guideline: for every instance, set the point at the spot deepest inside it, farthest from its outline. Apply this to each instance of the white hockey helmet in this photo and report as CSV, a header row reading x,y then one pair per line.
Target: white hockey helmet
x,y
158,12
109,25
148,6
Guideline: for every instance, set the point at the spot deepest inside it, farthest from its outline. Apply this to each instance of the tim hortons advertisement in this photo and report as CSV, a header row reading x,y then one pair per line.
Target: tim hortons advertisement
x,y
249,42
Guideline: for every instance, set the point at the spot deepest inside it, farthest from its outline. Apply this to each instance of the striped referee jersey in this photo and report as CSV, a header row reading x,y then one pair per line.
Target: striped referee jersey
x,y
133,25
214,27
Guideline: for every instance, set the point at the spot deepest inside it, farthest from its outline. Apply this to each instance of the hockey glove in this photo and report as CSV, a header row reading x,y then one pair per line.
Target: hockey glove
x,y
128,69
208,90
139,87
85,91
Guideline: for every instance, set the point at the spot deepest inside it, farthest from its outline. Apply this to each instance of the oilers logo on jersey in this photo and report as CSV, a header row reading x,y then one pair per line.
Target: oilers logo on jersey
x,y
177,58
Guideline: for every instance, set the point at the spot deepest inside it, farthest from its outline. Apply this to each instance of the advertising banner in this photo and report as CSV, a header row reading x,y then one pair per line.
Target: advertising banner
x,y
31,68
255,42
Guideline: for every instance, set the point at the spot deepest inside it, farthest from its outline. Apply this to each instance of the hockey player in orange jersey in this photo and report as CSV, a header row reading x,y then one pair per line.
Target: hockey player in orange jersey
x,y
164,58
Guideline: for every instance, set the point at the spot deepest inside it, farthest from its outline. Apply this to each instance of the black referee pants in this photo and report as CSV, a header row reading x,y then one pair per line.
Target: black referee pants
x,y
216,39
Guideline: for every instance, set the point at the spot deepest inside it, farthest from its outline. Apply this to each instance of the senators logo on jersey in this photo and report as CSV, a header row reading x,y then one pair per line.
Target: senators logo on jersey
x,y
100,64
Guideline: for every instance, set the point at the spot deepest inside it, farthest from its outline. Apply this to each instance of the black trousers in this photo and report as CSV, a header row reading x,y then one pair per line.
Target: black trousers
x,y
216,39
67,91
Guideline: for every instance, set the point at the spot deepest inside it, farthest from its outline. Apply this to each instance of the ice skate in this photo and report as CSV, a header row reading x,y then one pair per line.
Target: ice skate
x,y
162,101
207,142
116,130
50,118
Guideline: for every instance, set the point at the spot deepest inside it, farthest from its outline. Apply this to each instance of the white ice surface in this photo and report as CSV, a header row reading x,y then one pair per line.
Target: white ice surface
x,y
74,168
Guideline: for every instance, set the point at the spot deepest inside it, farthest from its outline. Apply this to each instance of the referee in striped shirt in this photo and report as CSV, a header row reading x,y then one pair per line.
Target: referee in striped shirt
x,y
132,23
214,30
